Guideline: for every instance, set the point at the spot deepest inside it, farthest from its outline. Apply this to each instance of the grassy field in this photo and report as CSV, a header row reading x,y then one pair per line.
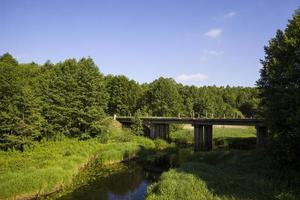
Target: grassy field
x,y
223,175
50,165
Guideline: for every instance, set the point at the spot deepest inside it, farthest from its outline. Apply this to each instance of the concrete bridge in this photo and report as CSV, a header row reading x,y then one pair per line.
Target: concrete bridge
x,y
203,128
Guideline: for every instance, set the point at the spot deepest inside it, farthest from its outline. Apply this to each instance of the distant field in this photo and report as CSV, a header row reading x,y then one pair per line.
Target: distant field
x,y
221,134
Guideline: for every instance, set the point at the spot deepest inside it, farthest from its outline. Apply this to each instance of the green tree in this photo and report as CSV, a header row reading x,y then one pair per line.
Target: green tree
x,y
20,105
30,102
9,94
123,93
163,98
74,97
279,86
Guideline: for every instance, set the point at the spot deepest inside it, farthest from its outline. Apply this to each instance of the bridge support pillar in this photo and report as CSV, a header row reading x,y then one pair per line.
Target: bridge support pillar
x,y
208,130
152,131
159,131
198,137
202,137
261,136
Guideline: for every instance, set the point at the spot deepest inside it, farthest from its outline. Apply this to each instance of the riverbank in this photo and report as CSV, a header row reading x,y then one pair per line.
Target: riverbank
x,y
49,166
226,175
234,170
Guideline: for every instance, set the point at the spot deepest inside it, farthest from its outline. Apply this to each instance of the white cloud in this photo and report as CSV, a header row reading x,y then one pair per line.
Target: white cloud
x,y
214,33
192,77
230,14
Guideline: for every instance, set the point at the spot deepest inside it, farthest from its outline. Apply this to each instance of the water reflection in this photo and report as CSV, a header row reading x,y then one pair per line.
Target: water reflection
x,y
125,181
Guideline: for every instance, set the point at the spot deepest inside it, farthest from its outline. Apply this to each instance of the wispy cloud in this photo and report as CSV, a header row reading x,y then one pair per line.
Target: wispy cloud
x,y
214,33
230,14
192,77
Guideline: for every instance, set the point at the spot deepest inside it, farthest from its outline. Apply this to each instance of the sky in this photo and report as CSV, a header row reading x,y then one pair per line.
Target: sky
x,y
196,42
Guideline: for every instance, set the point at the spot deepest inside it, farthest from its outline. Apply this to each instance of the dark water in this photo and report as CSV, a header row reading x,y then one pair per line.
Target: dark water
x,y
117,182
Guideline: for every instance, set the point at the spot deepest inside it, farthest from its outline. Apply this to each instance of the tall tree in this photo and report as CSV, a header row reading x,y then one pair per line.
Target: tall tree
x,y
163,98
20,117
74,97
123,93
279,85
10,89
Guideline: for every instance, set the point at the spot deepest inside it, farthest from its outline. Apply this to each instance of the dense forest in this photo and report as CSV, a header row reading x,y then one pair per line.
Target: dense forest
x,y
72,98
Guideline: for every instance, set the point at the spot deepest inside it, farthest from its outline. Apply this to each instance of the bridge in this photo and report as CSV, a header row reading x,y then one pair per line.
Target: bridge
x,y
203,128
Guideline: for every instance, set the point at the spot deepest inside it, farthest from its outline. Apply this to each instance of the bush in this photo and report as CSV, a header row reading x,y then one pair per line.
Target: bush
x,y
160,144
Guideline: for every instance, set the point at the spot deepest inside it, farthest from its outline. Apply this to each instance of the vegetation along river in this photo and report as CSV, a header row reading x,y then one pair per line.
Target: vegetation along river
x,y
127,180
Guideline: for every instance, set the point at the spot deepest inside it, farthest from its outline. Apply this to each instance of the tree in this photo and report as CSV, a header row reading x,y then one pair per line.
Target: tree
x,y
279,86
20,118
123,93
163,98
74,97
137,126
9,91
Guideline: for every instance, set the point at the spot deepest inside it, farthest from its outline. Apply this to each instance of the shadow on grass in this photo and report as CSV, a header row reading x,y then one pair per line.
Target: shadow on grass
x,y
239,174
234,170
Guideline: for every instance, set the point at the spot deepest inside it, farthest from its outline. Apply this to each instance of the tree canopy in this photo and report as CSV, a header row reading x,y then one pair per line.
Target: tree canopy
x,y
279,87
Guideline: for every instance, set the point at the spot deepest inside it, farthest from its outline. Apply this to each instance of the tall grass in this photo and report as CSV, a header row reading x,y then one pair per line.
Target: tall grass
x,y
50,165
45,167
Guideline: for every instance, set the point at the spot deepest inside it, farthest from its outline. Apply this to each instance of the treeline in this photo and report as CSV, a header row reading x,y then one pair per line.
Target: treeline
x,y
165,97
72,98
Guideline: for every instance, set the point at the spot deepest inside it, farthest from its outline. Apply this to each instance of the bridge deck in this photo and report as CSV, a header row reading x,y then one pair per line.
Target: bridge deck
x,y
176,120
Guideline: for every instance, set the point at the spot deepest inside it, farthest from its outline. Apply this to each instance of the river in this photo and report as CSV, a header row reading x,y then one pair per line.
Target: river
x,y
123,181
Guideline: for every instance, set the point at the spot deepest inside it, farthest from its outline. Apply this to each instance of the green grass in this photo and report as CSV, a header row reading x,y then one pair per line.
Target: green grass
x,y
223,175
43,168
242,132
50,165
227,174
227,137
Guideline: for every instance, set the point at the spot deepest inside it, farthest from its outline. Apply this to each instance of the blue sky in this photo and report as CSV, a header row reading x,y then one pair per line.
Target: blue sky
x,y
200,42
